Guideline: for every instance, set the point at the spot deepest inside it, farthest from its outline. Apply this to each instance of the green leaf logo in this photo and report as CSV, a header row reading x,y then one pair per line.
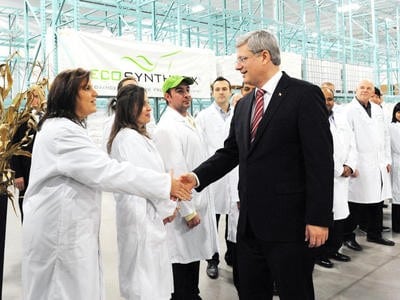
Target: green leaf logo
x,y
146,65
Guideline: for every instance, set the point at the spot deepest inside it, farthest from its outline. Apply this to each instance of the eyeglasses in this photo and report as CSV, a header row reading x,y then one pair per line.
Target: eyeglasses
x,y
243,59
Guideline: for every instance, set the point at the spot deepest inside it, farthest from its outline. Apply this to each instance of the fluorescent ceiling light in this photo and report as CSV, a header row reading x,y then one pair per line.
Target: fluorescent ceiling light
x,y
198,8
349,7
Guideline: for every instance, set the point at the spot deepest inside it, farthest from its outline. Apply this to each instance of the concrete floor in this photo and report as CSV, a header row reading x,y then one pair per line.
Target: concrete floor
x,y
373,274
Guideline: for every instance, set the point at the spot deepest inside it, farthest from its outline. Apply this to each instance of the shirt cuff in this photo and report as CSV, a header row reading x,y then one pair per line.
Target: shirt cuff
x,y
197,179
191,216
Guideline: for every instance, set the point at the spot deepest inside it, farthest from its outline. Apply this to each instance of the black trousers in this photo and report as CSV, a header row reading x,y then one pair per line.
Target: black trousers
x,y
20,204
229,244
235,271
260,263
372,213
186,281
335,239
363,222
395,217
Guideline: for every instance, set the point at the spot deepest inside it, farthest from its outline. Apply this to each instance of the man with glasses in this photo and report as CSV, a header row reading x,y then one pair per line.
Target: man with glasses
x,y
280,139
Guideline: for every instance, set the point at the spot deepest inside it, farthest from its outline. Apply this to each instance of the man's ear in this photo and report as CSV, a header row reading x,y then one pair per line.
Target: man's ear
x,y
266,56
166,97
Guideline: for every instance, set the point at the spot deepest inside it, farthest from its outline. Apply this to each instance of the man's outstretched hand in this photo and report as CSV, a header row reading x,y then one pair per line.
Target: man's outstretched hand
x,y
189,180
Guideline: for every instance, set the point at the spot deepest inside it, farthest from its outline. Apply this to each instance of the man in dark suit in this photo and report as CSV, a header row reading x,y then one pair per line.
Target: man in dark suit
x,y
285,174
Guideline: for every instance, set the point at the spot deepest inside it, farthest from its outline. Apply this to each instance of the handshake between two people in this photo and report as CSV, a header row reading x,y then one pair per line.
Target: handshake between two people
x,y
181,190
181,187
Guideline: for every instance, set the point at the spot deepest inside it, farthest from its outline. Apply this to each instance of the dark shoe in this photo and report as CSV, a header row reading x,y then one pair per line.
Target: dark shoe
x,y
385,229
324,262
340,257
381,241
212,270
228,259
352,244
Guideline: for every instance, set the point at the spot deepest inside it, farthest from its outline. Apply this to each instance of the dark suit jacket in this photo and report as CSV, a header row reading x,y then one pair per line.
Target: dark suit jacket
x,y
286,174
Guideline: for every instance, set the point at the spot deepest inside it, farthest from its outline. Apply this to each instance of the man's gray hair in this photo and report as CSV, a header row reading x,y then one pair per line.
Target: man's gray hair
x,y
260,40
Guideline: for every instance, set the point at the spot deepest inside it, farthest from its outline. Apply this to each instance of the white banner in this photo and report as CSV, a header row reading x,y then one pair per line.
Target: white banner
x,y
112,58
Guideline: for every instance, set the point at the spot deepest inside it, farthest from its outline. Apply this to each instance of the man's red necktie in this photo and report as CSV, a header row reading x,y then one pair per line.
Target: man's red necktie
x,y
258,113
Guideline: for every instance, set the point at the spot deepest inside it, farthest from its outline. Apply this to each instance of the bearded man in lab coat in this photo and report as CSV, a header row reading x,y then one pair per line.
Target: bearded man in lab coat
x,y
366,187
214,123
192,236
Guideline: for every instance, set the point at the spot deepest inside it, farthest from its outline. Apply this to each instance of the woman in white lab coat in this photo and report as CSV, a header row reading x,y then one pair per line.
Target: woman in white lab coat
x,y
145,270
61,255
394,129
111,107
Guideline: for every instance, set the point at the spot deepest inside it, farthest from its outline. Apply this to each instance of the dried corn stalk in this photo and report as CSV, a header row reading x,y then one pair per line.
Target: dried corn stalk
x,y
12,117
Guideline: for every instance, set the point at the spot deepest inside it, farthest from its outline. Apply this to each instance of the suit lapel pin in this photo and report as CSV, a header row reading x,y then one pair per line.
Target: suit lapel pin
x,y
280,94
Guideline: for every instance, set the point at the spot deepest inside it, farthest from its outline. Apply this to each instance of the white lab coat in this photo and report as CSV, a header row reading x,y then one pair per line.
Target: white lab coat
x,y
394,129
387,177
373,154
214,130
387,112
182,150
62,209
142,238
344,153
233,217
